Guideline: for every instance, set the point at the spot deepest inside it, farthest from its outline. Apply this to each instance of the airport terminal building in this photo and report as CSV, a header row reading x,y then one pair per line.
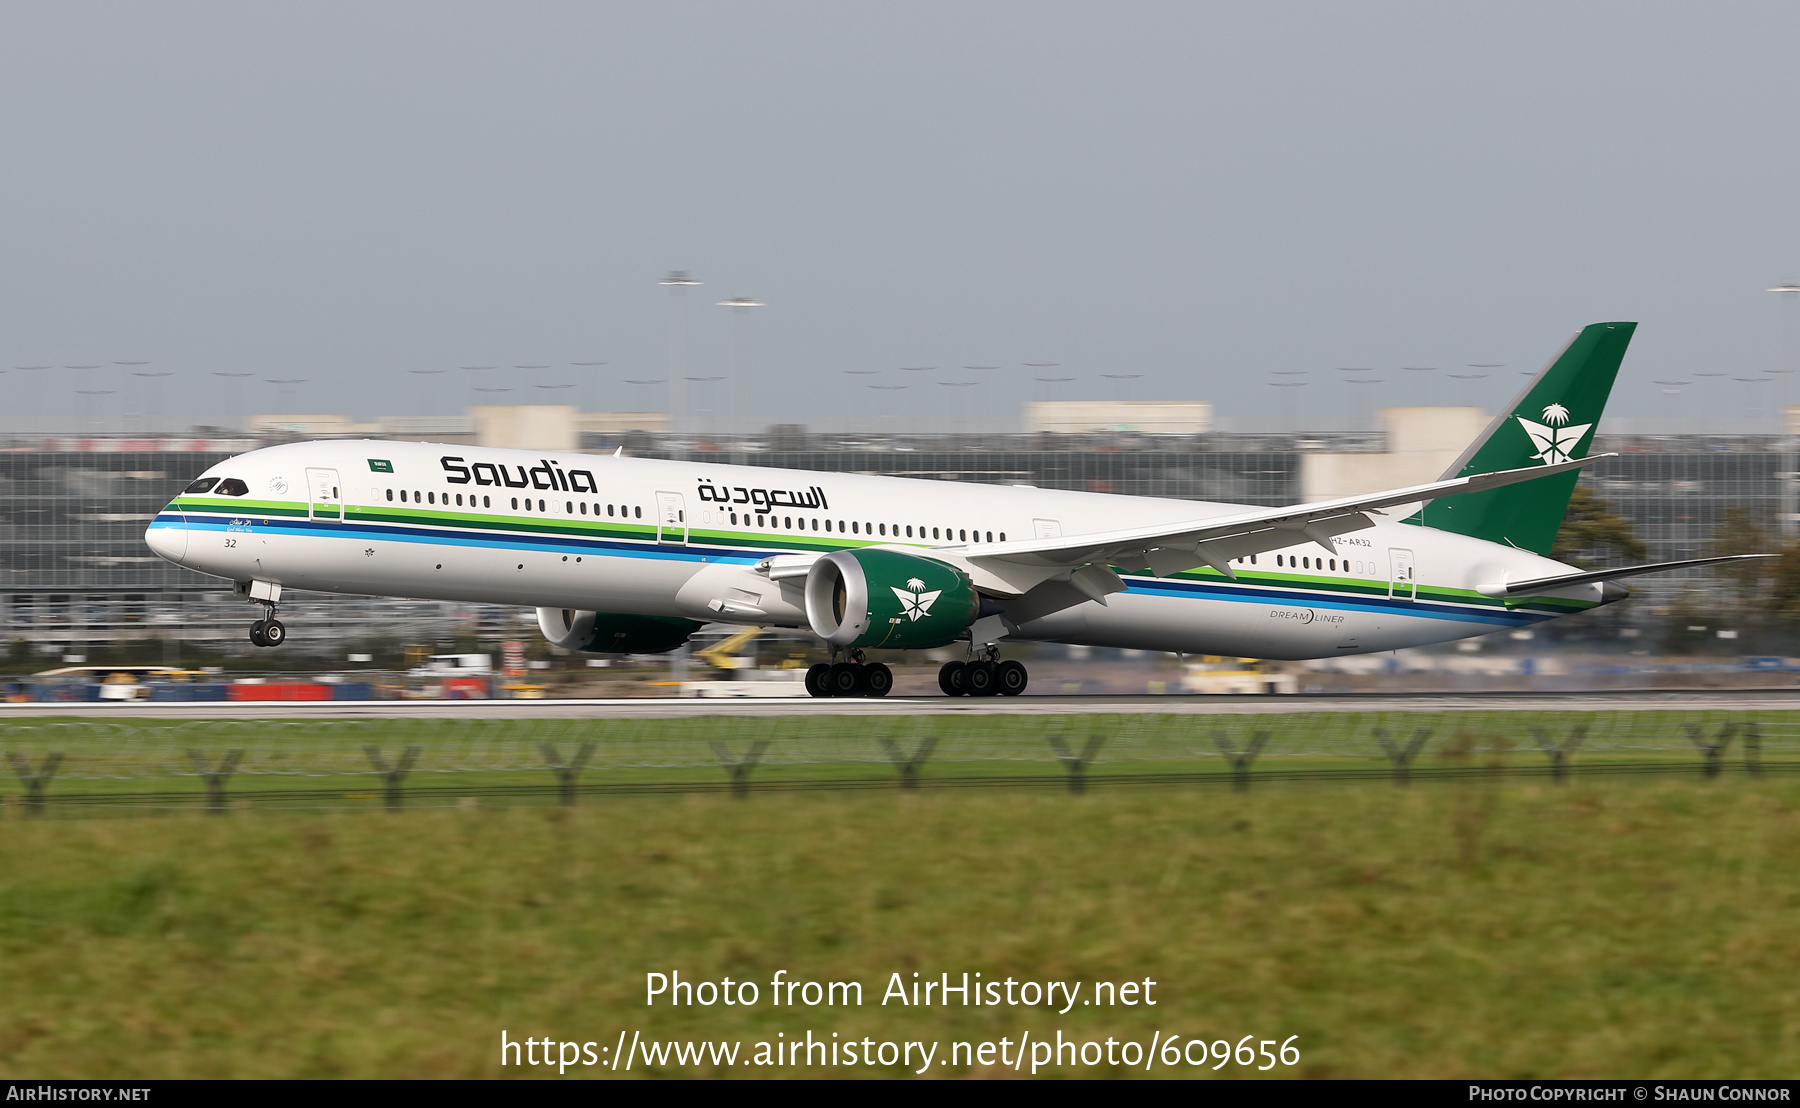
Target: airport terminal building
x,y
74,570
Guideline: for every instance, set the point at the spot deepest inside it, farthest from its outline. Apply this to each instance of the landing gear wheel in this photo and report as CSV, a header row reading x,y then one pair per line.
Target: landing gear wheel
x,y
256,632
950,679
1012,678
877,679
980,679
274,634
817,679
845,679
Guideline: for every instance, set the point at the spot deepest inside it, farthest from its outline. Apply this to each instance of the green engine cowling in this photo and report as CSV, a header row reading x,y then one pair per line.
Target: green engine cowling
x,y
612,633
886,599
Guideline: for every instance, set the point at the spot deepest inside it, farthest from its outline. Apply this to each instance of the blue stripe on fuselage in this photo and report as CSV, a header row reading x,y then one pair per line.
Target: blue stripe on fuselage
x,y
1230,592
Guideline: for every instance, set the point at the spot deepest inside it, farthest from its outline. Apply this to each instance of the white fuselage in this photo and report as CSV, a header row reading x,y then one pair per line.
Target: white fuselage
x,y
610,534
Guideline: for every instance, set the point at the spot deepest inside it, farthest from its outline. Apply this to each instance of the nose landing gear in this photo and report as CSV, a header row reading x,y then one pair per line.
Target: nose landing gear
x,y
983,676
855,677
268,631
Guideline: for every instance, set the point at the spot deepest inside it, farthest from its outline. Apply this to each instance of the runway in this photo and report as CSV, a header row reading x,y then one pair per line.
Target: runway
x,y
1759,700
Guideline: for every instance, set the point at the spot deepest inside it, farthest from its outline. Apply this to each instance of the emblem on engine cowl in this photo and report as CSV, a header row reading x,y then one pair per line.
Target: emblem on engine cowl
x,y
917,602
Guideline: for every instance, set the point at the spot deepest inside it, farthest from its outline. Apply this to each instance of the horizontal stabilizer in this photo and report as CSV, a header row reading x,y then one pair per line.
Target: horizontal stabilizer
x,y
1540,584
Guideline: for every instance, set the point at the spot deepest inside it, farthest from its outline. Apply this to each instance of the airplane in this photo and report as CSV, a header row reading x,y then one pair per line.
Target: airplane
x,y
632,555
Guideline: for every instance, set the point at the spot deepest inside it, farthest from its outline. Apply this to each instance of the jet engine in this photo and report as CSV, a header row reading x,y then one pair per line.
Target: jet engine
x,y
612,633
882,598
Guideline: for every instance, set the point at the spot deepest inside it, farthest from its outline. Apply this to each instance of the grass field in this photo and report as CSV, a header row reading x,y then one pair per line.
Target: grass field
x,y
1487,927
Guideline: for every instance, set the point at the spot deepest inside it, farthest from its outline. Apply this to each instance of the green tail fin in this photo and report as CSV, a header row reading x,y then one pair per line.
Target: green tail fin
x,y
1551,421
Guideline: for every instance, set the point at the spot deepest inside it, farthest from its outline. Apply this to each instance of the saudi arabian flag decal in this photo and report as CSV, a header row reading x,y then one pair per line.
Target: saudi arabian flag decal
x,y
380,465
917,602
1552,437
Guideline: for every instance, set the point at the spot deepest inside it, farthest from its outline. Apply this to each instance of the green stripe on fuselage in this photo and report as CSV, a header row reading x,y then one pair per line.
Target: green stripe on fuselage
x,y
646,532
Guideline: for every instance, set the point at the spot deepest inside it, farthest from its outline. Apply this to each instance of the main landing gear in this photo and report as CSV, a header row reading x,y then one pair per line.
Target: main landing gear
x,y
856,677
268,631
983,676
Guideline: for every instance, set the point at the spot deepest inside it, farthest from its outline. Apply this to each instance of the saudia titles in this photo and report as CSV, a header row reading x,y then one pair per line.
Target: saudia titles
x,y
763,499
547,475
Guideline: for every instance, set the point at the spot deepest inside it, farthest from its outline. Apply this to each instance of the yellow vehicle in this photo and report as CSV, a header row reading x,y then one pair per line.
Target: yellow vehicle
x,y
721,655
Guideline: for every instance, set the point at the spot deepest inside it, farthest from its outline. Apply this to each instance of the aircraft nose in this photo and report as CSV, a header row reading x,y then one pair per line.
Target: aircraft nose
x,y
167,535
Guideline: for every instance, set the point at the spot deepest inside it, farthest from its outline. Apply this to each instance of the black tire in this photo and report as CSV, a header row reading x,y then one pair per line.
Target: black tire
x,y
816,679
980,679
845,679
256,633
274,634
950,679
1012,678
877,679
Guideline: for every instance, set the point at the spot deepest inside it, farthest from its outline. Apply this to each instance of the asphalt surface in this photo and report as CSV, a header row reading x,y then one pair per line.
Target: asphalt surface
x,y
644,708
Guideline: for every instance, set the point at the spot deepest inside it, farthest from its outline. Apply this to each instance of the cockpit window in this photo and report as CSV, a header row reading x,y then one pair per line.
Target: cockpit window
x,y
202,485
231,486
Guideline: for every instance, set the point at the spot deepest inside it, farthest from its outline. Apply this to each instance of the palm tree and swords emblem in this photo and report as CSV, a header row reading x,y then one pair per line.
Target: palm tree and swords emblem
x,y
916,603
1553,438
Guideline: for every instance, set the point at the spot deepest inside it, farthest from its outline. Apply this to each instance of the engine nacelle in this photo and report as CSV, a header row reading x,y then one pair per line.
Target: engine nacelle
x,y
882,598
611,633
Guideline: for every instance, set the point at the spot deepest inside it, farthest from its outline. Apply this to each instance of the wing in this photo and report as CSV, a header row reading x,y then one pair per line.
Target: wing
x,y
1013,569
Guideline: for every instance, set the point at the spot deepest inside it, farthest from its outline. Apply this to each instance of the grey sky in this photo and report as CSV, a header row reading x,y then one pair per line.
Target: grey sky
x,y
1199,193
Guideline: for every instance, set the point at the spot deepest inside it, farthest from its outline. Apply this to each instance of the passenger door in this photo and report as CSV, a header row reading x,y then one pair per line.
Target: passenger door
x,y
1401,582
322,499
671,518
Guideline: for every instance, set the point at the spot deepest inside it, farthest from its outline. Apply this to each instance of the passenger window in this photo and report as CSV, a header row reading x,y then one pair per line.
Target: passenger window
x,y
1277,559
432,496
640,513
963,536
787,522
515,503
569,507
815,524
990,536
609,511
484,502
390,493
1003,536
734,519
934,532
202,485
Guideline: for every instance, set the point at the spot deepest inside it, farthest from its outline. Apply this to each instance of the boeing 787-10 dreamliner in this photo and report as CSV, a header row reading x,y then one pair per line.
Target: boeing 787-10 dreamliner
x,y
631,555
